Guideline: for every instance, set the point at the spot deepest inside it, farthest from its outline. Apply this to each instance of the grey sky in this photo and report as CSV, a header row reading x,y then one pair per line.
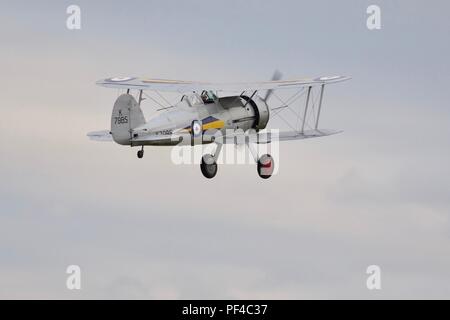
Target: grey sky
x,y
376,194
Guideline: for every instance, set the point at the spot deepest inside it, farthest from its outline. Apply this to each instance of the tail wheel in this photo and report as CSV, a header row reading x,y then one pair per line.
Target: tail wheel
x,y
266,165
140,154
208,166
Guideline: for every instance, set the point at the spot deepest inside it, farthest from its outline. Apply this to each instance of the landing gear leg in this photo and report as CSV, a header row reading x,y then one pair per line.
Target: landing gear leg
x,y
208,165
140,153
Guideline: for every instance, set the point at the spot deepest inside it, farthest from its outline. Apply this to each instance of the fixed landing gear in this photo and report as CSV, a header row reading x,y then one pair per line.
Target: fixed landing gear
x,y
208,166
265,163
140,153
266,166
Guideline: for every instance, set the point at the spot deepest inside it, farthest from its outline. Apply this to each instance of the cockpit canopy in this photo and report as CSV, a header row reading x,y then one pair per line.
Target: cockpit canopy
x,y
196,99
208,96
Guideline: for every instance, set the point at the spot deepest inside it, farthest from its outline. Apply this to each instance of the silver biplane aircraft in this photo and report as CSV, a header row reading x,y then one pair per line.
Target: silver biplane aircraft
x,y
201,110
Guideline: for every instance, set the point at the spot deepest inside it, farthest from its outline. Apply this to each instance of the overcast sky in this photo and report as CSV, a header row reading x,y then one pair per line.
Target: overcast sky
x,y
376,194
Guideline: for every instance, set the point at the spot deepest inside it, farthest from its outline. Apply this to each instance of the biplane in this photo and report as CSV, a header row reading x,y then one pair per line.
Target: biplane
x,y
204,114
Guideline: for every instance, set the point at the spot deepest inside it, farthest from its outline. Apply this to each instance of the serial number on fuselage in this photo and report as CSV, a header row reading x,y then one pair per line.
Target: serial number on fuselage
x,y
163,133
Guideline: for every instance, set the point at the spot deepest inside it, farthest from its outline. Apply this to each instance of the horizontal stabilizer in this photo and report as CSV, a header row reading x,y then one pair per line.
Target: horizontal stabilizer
x,y
104,135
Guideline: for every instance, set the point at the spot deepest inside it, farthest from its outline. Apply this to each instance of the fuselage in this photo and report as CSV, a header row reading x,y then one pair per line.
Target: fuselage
x,y
233,112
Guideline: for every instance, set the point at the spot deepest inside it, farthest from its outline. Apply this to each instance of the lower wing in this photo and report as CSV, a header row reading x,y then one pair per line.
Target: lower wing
x,y
260,137
268,137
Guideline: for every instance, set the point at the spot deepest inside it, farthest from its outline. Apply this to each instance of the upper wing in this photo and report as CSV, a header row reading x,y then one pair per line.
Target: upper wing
x,y
191,86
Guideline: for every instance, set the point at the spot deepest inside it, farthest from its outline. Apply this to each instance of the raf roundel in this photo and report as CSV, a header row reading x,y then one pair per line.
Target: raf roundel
x,y
329,78
120,79
196,128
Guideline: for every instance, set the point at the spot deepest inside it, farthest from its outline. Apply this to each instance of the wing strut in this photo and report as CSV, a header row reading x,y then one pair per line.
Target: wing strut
x,y
320,105
251,97
140,97
306,109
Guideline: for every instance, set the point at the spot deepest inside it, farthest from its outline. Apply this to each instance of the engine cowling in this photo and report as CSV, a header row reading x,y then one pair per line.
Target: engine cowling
x,y
261,110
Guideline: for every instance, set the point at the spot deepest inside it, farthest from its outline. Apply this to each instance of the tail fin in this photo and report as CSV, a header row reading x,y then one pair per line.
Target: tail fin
x,y
126,116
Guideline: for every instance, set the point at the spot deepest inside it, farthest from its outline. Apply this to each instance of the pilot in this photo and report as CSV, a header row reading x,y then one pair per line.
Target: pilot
x,y
205,97
208,97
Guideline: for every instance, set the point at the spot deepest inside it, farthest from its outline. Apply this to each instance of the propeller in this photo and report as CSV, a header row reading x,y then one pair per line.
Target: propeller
x,y
277,75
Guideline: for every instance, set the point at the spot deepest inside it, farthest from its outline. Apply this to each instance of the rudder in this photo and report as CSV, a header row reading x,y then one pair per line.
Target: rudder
x,y
126,116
